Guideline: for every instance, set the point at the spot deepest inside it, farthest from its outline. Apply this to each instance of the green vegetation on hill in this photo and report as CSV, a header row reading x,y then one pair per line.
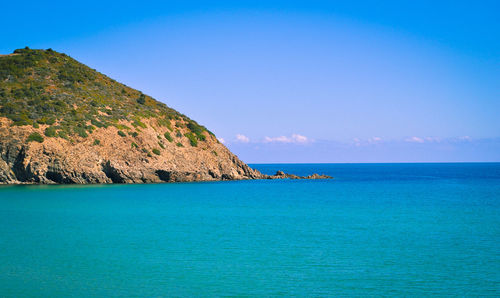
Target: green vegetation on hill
x,y
192,139
47,87
168,137
35,137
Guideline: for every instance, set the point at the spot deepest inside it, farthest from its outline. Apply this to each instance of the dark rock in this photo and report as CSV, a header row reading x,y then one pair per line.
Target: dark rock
x,y
282,175
112,173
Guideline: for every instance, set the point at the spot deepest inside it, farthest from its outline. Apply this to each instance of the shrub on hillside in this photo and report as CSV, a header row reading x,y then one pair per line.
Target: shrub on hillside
x,y
50,132
192,139
168,137
36,137
142,99
62,134
80,131
138,122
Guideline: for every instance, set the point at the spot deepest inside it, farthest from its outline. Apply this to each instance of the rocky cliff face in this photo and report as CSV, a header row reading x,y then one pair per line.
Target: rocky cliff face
x,y
63,122
114,158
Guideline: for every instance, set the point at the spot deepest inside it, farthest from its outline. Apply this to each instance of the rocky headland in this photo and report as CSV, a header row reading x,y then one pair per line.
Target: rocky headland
x,y
63,122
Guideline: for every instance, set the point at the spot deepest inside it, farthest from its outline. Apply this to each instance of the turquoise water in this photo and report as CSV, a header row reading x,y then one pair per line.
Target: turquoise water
x,y
377,229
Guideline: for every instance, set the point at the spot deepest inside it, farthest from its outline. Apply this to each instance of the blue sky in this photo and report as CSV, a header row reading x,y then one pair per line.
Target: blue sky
x,y
285,81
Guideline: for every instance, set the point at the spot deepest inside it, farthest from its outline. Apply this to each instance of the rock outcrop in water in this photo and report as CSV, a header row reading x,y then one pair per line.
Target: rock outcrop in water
x,y
282,175
62,122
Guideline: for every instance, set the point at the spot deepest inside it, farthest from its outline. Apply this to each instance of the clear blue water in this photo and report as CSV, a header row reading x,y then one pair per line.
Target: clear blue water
x,y
377,229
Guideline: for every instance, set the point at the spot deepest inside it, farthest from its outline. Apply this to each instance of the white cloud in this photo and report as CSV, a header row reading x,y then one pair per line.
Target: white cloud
x,y
281,139
300,138
242,138
415,140
295,138
374,140
221,140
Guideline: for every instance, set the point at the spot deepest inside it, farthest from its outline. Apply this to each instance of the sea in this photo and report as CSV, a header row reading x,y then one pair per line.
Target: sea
x,y
422,229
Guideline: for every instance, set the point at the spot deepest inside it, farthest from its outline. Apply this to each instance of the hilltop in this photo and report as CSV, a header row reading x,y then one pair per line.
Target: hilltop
x,y
63,122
